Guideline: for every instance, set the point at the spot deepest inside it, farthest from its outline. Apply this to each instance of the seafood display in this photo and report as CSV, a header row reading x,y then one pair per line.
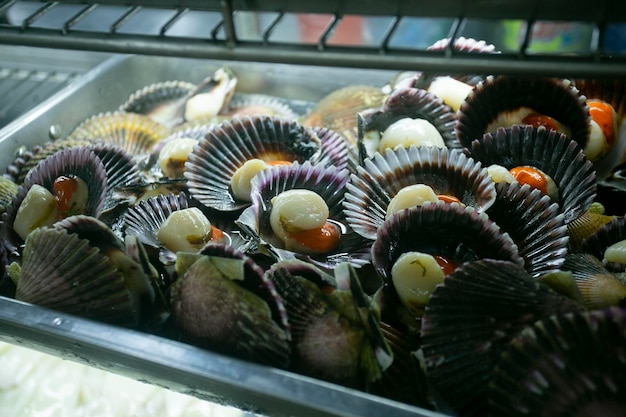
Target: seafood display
x,y
420,244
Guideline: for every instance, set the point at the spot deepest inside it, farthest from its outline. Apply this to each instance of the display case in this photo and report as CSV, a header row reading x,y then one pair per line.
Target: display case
x,y
90,55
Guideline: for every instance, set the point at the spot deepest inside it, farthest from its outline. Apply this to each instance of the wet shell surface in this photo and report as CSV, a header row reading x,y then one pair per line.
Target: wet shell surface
x,y
599,287
612,232
8,190
447,172
223,285
259,104
64,272
535,224
586,225
444,229
554,154
558,99
341,320
135,133
530,378
470,319
79,162
216,158
329,183
411,103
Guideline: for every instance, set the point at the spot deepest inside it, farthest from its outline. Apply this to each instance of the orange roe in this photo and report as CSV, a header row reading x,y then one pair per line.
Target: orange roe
x,y
278,163
64,189
537,120
602,114
447,265
448,198
532,177
320,240
216,234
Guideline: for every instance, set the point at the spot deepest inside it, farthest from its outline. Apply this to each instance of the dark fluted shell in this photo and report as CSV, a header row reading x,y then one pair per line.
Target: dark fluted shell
x,y
335,149
450,172
80,162
554,154
242,323
161,101
64,272
565,365
598,287
135,133
93,230
329,183
120,166
607,235
551,97
413,103
342,320
216,158
448,230
535,224
468,322
28,159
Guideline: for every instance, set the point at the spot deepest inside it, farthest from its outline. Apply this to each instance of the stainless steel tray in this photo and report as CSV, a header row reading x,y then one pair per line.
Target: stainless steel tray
x,y
152,358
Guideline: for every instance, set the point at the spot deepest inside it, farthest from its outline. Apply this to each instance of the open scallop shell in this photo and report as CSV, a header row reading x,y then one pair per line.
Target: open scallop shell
x,y
450,172
217,157
554,154
555,98
469,320
415,104
135,133
605,236
160,101
571,364
145,218
460,234
535,224
81,162
329,183
64,272
222,301
259,104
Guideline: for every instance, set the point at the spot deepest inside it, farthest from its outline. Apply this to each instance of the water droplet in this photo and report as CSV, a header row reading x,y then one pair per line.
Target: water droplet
x,y
57,321
54,132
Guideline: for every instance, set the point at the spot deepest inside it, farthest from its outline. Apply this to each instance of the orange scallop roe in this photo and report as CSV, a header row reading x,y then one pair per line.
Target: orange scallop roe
x,y
448,198
320,240
532,177
447,265
216,234
278,163
537,120
64,189
602,114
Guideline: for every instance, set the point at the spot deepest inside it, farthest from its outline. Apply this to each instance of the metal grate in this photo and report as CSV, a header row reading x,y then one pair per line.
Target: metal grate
x,y
559,38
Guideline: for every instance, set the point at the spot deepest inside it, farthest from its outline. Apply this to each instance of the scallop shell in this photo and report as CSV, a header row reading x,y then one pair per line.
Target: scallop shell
x,y
28,159
415,104
145,218
555,98
469,320
342,320
612,232
160,101
8,190
329,183
586,225
241,322
217,157
64,272
259,104
451,172
598,287
337,111
335,150
445,229
121,168
135,133
535,224
565,365
552,153
82,163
